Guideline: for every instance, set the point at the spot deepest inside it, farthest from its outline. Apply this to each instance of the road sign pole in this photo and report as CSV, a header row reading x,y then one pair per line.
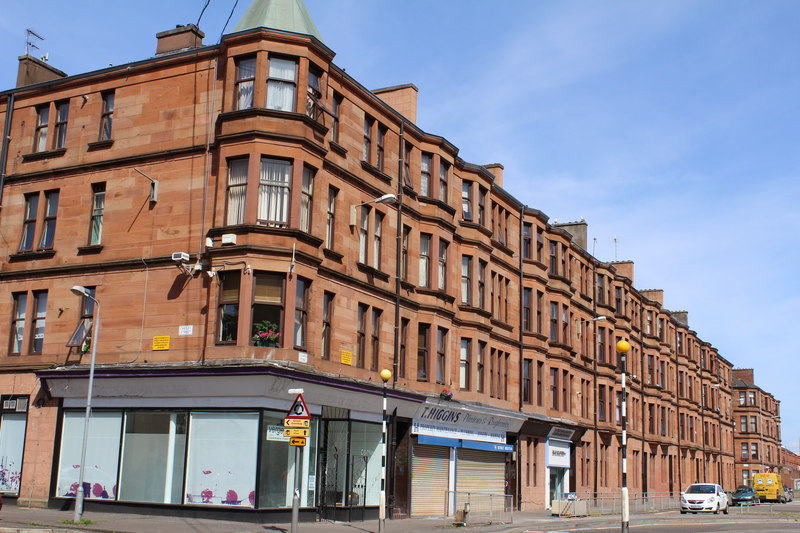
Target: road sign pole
x,y
296,497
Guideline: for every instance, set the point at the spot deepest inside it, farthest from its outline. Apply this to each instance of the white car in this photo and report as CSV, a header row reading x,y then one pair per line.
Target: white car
x,y
704,497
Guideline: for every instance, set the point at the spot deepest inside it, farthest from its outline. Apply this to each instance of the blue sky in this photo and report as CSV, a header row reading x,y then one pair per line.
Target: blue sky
x,y
669,125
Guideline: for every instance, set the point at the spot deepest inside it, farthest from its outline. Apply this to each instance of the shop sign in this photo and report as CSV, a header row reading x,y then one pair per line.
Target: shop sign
x,y
558,453
275,433
436,420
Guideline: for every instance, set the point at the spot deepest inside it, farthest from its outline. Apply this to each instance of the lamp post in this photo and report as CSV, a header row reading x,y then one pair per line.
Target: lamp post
x,y
622,350
386,375
80,493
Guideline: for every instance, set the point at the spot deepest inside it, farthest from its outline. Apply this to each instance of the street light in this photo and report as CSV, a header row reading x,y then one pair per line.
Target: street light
x,y
80,493
385,199
622,350
386,375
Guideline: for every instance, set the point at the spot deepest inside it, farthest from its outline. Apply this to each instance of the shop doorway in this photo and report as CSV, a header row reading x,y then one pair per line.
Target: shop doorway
x,y
557,483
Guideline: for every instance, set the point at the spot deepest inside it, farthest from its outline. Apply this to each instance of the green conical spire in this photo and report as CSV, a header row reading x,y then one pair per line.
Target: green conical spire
x,y
285,15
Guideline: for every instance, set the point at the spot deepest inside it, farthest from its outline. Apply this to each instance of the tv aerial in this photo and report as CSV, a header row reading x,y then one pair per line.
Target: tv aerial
x,y
30,35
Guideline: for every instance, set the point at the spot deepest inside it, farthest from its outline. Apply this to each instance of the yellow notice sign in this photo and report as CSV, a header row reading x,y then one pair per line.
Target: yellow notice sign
x,y
295,432
347,357
297,441
161,342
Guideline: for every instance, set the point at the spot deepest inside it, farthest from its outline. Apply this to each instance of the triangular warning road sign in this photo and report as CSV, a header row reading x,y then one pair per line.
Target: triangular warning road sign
x,y
299,408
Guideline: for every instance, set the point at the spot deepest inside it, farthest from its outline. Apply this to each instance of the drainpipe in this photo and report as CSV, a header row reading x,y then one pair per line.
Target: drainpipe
x,y
521,352
594,361
398,254
644,428
521,309
390,482
6,139
206,178
678,410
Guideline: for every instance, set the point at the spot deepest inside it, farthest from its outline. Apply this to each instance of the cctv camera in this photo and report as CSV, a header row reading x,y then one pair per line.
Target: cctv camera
x,y
180,257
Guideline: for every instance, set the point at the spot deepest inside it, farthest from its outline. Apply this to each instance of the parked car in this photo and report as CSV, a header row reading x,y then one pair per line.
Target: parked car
x,y
704,497
743,495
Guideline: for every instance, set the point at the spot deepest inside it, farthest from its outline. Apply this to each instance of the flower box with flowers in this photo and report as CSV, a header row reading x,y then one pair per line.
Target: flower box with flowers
x,y
446,395
266,334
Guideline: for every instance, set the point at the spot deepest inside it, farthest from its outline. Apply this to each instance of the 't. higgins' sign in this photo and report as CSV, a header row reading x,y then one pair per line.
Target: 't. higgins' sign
x,y
460,423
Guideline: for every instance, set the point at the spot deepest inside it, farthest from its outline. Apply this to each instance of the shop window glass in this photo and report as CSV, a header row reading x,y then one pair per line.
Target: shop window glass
x,y
12,440
277,466
221,459
158,440
365,463
334,461
102,452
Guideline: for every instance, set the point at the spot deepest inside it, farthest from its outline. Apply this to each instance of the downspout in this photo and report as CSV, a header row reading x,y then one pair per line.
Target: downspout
x,y
6,140
206,178
679,463
398,254
644,428
521,352
390,481
594,363
521,309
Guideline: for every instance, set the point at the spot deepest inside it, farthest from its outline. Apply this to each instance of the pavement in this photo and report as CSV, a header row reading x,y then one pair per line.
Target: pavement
x,y
15,519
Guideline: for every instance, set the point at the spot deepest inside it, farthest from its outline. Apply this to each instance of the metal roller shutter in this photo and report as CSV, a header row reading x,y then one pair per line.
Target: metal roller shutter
x,y
429,480
480,480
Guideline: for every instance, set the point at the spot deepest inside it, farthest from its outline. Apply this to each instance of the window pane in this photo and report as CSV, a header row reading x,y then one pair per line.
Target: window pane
x,y
269,288
18,326
12,439
39,316
158,440
215,478
102,453
245,74
237,190
365,462
280,88
273,192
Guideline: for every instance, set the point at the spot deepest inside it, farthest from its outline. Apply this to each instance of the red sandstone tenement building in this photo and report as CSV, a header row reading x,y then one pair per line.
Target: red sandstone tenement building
x,y
757,439
311,206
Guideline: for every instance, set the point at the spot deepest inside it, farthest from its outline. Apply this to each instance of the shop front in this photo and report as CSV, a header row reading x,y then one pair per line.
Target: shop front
x,y
461,453
216,440
558,465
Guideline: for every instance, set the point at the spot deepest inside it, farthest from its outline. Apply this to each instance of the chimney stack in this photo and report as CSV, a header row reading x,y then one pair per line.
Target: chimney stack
x,y
402,98
497,170
180,39
578,230
32,70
